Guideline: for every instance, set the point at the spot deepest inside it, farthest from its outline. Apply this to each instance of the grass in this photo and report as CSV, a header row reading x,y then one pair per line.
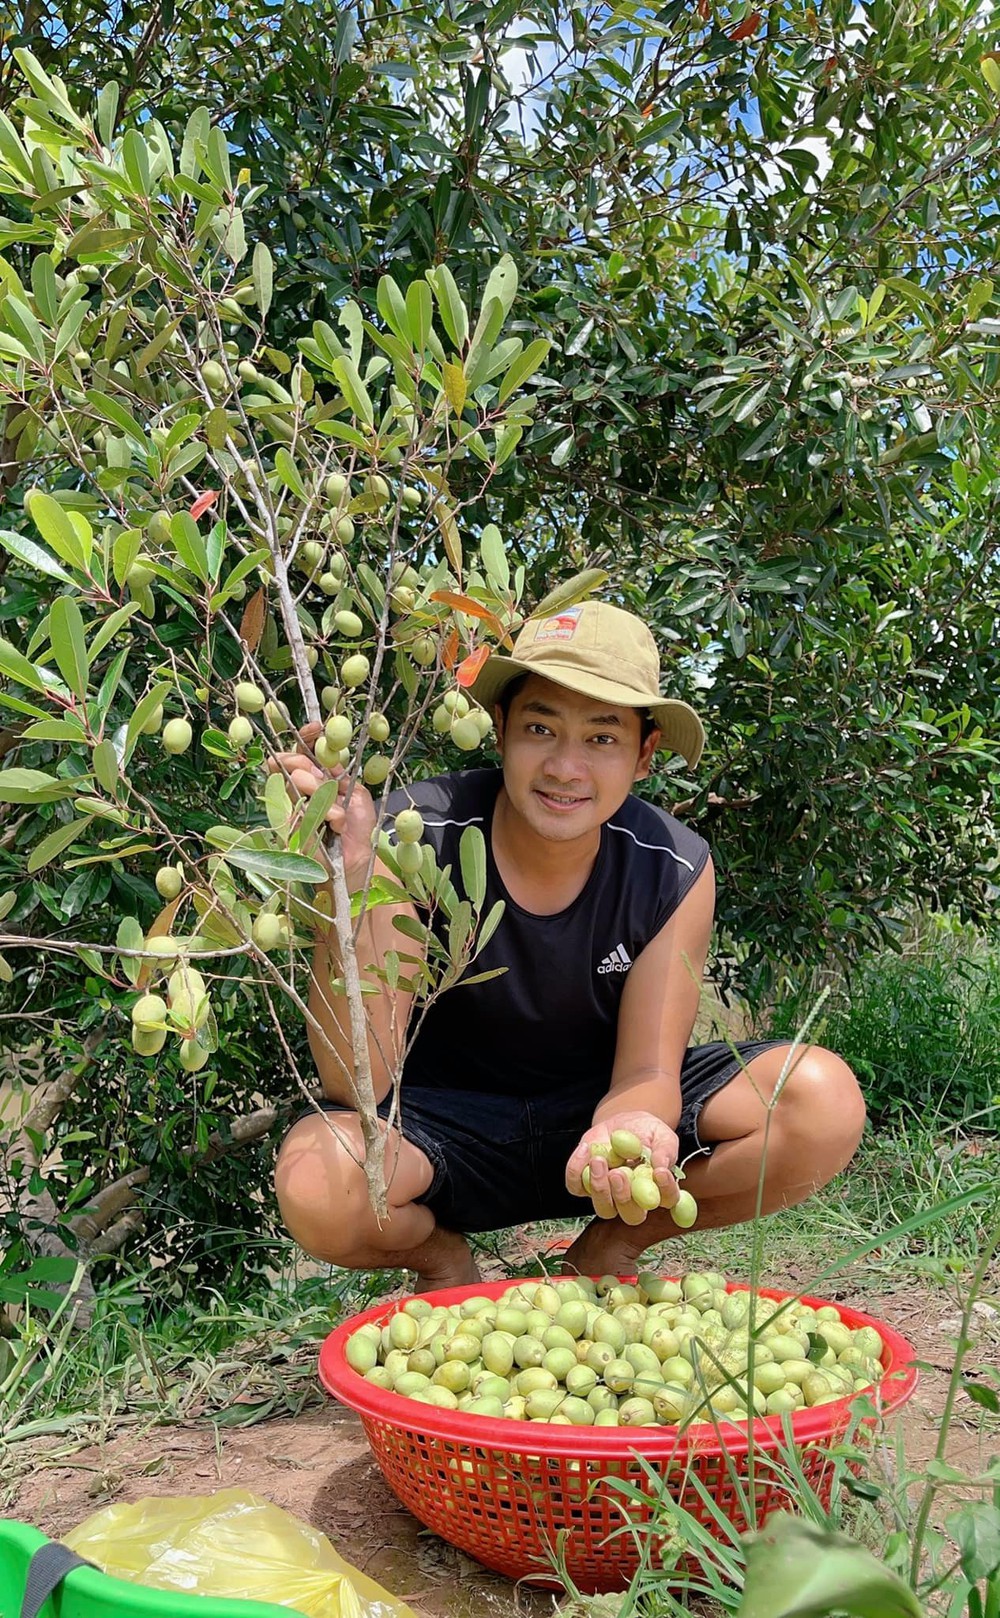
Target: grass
x,y
919,1027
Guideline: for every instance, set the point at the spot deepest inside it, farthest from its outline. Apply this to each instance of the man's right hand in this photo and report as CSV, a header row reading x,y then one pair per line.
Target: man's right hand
x,y
354,822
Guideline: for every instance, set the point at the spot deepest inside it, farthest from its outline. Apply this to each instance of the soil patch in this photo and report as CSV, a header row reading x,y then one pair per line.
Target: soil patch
x,y
317,1465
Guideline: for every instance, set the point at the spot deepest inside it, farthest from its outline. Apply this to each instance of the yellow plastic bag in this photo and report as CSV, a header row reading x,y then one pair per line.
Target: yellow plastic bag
x,y
230,1544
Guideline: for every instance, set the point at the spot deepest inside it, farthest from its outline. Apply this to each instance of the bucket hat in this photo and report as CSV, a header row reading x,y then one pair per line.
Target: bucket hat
x,y
603,652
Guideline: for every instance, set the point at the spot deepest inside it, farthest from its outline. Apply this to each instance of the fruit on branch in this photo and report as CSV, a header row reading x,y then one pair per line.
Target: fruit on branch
x,y
249,697
268,932
176,736
355,669
169,881
149,1011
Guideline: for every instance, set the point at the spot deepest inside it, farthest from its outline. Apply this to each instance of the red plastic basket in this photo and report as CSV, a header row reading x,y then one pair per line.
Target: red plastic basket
x,y
518,1495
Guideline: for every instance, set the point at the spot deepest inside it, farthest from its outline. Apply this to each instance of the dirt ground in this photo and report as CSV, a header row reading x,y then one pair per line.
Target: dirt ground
x,y
318,1466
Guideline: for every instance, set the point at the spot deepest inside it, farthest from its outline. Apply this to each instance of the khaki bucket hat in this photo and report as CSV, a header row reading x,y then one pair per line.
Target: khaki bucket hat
x,y
603,652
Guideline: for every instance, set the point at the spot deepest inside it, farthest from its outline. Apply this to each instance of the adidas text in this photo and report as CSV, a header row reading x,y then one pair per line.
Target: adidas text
x,y
618,961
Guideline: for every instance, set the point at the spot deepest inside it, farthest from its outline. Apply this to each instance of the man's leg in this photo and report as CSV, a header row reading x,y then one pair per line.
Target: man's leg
x,y
323,1197
814,1130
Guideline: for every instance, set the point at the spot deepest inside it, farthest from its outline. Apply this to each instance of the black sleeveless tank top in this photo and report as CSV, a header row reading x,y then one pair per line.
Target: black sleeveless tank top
x,y
551,1018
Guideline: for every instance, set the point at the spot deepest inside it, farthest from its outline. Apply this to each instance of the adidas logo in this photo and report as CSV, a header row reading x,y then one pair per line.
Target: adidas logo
x,y
618,961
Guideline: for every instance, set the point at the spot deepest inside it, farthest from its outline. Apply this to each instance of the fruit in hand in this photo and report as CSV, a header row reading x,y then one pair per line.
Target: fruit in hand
x,y
624,1151
684,1211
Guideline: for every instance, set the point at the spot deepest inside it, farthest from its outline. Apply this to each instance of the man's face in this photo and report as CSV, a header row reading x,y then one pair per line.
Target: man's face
x,y
569,761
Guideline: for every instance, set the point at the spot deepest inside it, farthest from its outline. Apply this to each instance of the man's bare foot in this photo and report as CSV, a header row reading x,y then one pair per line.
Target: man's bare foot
x,y
603,1249
444,1261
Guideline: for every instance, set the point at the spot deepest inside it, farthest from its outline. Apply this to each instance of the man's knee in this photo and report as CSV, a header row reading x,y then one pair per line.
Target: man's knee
x,y
321,1188
821,1103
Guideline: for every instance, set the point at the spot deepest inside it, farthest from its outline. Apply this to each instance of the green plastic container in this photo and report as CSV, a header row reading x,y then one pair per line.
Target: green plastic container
x,y
86,1593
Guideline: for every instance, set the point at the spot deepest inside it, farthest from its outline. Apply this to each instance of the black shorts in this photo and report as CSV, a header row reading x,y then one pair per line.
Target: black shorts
x,y
501,1160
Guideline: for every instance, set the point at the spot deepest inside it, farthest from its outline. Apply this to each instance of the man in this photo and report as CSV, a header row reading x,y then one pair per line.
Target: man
x,y
606,928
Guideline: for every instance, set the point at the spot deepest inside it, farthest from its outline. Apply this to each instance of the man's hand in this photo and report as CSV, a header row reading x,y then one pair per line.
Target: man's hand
x,y
609,1188
355,823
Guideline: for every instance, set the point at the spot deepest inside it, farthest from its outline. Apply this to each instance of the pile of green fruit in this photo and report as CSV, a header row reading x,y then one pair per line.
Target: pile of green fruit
x,y
611,1353
625,1151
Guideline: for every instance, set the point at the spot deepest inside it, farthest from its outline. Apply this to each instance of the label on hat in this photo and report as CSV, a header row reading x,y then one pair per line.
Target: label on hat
x,y
561,627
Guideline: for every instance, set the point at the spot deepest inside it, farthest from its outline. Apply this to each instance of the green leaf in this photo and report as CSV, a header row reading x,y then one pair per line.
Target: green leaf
x,y
7,902
322,799
454,386
494,557
453,313
130,938
56,842
189,545
233,579
578,588
107,111
975,1528
525,365
277,867
472,860
17,667
111,410
289,473
58,530
796,1569
263,278
501,288
135,158
106,767
145,707
33,786
564,450
43,285
55,730
392,307
354,389
419,313
23,326
32,555
69,646
50,90
110,628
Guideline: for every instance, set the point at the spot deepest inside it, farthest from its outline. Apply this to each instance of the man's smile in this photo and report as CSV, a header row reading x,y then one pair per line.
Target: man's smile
x,y
560,801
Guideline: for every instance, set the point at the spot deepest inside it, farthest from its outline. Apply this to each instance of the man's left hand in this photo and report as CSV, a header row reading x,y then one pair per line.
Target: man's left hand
x,y
609,1188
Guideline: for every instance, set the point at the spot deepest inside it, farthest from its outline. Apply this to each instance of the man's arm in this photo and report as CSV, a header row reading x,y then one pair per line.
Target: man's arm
x,y
658,1009
387,1011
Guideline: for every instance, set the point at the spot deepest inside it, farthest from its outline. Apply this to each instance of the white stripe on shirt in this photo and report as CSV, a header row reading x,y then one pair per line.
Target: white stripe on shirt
x,y
659,848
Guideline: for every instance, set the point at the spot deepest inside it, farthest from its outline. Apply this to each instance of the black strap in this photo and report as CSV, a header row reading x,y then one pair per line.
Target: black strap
x,y
47,1569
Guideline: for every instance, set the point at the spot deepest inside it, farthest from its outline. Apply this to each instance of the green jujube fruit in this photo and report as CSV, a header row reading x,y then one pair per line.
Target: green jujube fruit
x,y
498,1353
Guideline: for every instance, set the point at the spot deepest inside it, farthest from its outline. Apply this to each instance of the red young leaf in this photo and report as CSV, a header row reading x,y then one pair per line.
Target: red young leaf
x,y
449,651
748,27
465,604
203,502
468,669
